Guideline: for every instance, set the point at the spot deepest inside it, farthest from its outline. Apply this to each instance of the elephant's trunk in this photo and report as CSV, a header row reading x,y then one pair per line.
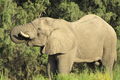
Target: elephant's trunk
x,y
23,33
15,35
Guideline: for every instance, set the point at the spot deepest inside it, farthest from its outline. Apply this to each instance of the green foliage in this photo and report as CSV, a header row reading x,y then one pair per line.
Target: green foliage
x,y
116,73
118,52
3,77
39,77
21,62
69,11
118,31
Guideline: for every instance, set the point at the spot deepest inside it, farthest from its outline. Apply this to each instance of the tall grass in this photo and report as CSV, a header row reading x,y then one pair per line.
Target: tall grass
x,y
86,75
82,76
116,73
3,77
39,77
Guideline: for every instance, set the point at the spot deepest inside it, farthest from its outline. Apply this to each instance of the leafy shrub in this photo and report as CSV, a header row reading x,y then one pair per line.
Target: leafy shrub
x,y
19,61
22,62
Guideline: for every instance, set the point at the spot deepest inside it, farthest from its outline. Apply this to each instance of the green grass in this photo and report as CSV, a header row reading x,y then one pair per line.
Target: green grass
x,y
82,76
116,73
86,75
2,77
39,77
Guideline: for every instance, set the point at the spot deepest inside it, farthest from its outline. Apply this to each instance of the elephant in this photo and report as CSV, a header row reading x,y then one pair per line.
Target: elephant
x,y
88,39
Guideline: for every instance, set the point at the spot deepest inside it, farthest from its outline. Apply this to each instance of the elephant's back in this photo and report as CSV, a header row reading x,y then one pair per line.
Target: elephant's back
x,y
91,31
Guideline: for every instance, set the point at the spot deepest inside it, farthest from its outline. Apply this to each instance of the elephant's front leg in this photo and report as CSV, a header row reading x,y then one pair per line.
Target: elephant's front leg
x,y
52,66
65,62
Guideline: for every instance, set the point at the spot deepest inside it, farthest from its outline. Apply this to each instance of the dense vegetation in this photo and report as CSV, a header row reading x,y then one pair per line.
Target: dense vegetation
x,y
21,62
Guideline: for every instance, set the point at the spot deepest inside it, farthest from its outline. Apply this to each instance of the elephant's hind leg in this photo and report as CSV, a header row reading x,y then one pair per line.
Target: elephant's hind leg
x,y
109,54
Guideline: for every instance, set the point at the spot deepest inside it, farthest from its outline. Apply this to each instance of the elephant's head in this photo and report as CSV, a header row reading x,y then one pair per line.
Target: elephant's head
x,y
54,35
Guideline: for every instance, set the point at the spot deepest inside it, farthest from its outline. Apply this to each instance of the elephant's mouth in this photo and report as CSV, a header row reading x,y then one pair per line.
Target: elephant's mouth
x,y
41,49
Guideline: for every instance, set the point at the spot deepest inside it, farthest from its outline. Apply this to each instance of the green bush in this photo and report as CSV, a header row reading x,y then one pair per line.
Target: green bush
x,y
21,62
69,11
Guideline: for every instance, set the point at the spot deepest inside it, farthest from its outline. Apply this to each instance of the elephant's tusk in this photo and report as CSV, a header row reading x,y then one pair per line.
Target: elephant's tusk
x,y
24,35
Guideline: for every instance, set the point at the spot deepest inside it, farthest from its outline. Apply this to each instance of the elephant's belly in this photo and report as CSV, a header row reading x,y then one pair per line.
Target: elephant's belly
x,y
90,53
77,59
89,56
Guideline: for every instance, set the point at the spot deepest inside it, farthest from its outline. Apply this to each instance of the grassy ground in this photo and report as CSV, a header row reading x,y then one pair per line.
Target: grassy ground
x,y
2,77
82,76
85,76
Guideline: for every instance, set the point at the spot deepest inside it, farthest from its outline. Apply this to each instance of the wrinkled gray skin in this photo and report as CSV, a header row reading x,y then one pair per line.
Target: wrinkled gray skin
x,y
86,40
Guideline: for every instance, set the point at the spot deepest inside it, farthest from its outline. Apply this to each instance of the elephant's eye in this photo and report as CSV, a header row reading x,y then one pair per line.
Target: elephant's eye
x,y
39,29
38,34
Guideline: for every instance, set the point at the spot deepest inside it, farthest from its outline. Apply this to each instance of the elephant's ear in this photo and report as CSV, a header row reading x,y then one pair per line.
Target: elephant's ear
x,y
58,42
